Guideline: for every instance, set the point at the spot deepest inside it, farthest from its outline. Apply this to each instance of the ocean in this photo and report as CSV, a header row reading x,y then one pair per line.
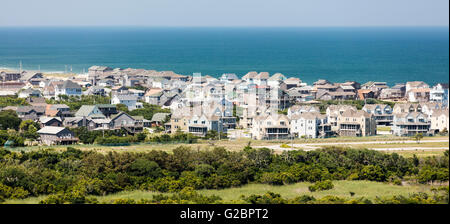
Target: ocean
x,y
394,55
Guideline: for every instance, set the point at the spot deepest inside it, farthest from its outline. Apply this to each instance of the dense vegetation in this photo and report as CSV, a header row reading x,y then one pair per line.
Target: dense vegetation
x,y
121,136
148,111
73,176
12,101
440,195
75,102
9,120
13,129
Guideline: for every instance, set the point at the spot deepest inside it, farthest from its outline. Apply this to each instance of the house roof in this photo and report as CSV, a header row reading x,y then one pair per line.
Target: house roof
x,y
373,106
250,75
336,108
50,130
229,76
437,113
322,82
262,75
277,77
44,120
347,87
69,84
159,117
86,110
115,116
99,68
292,80
24,109
304,107
29,75
420,90
59,106
154,92
126,97
355,113
101,121
308,115
416,84
105,106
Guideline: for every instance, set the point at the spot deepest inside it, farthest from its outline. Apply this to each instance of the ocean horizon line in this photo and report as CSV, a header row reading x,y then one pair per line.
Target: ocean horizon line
x,y
212,27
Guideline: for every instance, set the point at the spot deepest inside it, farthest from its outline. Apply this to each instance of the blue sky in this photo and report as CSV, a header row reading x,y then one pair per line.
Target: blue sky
x,y
224,12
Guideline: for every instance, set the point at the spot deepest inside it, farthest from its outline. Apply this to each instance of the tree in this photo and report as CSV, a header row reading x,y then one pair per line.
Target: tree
x,y
148,111
143,167
9,120
28,129
418,137
321,186
122,107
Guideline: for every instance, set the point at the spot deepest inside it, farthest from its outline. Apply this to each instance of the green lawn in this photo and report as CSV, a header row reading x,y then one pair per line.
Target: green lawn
x,y
383,128
341,188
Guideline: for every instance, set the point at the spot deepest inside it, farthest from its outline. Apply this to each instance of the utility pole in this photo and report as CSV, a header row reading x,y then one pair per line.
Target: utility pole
x,y
20,66
292,141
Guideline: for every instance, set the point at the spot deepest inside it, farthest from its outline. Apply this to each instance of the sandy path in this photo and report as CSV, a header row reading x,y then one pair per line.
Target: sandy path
x,y
312,146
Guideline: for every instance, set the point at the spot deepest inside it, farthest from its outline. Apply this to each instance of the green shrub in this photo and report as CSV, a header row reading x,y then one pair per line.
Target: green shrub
x,y
321,186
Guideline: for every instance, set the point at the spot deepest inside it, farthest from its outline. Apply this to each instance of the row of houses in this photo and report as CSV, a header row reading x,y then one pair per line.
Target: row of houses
x,y
165,87
55,119
256,103
308,122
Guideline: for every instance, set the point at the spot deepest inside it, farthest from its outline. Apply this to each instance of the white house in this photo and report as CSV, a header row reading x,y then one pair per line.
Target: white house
x,y
129,100
68,88
310,125
439,93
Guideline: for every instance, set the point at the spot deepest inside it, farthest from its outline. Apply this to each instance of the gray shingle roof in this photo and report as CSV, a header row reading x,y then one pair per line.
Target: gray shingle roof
x,y
126,97
86,110
159,117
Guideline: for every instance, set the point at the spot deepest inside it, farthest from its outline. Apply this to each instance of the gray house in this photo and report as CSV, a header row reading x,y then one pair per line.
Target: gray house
x,y
124,120
51,135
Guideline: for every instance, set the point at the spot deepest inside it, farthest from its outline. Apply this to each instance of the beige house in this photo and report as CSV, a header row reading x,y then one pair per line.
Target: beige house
x,y
333,111
406,108
382,112
179,120
275,126
356,123
439,120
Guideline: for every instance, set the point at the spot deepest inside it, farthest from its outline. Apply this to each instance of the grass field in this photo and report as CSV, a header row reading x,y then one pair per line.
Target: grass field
x,y
366,189
233,145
